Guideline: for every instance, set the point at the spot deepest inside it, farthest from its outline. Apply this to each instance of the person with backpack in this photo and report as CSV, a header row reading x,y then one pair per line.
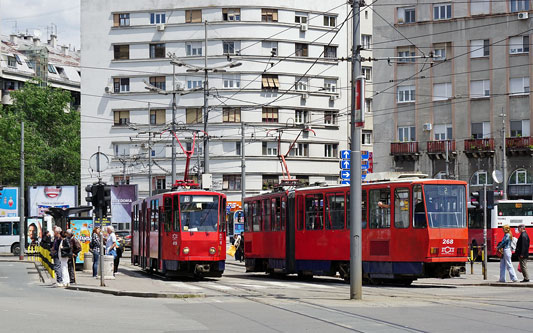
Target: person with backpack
x,y
75,245
504,247
65,254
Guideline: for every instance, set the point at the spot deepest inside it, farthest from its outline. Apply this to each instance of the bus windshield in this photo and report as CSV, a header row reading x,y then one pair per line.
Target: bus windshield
x,y
446,206
199,212
515,209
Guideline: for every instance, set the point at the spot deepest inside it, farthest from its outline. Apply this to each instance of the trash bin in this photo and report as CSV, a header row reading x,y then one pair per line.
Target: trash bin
x,y
108,267
88,262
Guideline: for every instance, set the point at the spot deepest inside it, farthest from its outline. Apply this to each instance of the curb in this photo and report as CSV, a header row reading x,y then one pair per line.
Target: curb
x,y
480,284
133,293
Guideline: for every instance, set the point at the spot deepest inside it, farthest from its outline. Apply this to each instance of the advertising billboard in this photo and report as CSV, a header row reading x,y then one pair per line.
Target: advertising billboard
x,y
122,197
40,198
82,229
9,202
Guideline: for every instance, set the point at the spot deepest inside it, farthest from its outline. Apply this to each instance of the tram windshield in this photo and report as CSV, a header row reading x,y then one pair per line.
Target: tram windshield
x,y
199,212
446,206
515,209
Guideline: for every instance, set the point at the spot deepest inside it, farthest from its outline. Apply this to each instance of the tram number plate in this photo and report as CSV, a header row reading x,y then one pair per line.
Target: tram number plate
x,y
447,241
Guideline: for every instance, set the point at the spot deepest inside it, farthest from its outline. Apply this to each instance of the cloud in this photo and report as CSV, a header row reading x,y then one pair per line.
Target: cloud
x,y
39,14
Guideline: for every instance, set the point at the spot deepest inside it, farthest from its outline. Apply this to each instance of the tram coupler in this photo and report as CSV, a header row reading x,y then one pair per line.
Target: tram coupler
x,y
202,268
456,271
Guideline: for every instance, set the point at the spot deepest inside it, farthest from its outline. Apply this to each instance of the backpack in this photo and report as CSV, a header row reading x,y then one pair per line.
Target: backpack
x,y
66,250
513,243
76,246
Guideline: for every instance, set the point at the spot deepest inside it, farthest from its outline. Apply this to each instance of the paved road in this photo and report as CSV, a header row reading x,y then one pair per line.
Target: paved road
x,y
257,303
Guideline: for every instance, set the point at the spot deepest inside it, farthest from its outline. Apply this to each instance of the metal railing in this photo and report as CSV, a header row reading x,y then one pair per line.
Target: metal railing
x,y
42,255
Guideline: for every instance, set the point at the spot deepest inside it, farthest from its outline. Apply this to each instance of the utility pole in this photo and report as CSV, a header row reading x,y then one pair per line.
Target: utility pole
x,y
21,195
123,161
150,156
504,156
173,170
243,165
447,143
485,254
206,116
356,263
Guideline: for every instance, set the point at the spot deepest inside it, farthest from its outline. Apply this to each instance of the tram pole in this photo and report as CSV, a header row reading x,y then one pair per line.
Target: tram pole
x,y
485,254
22,230
356,263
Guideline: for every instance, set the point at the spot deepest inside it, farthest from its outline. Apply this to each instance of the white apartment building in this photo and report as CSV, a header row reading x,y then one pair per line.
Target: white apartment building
x,y
289,78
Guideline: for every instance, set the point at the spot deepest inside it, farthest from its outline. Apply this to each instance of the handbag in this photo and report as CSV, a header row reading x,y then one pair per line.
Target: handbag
x,y
519,268
231,250
499,253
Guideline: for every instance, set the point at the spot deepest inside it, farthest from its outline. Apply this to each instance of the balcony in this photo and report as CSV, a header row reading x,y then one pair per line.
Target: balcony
x,y
519,146
437,149
404,150
478,148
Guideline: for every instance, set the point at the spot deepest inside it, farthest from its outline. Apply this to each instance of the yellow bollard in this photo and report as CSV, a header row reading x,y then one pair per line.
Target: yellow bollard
x,y
472,261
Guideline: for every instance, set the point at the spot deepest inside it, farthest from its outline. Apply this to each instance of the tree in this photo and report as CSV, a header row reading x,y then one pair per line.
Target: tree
x,y
51,137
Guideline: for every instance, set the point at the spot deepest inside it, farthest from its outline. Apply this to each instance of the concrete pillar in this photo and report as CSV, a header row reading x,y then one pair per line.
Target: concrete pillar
x,y
88,262
108,267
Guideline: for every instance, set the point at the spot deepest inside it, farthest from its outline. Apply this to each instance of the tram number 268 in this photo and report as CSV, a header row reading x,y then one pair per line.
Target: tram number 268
x,y
447,241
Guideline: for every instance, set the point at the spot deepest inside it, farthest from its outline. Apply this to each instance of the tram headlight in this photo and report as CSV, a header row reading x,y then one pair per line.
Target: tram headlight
x,y
434,251
212,250
185,250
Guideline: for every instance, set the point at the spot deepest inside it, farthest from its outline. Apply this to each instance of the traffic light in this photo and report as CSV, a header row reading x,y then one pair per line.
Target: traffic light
x,y
478,198
106,199
91,194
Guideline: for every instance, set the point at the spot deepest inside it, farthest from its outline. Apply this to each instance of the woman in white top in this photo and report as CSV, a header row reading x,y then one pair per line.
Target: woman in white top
x,y
65,253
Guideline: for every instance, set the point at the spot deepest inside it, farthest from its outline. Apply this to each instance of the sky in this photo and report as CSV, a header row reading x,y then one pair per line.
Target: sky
x,y
38,14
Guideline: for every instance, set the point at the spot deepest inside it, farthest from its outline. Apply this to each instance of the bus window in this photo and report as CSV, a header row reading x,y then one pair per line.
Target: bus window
x,y
379,204
16,228
5,228
176,213
266,215
419,218
167,218
283,212
335,211
300,212
314,212
401,208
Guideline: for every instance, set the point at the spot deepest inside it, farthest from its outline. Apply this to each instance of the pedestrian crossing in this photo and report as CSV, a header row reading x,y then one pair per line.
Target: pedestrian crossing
x,y
232,285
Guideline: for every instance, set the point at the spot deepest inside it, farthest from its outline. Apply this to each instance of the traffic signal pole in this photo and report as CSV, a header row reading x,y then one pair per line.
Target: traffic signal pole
x,y
22,232
485,254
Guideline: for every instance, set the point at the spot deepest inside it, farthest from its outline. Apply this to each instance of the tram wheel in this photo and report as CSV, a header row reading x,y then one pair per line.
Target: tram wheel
x,y
305,276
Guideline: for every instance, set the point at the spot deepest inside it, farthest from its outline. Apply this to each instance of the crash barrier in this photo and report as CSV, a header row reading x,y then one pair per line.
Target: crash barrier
x,y
39,254
474,255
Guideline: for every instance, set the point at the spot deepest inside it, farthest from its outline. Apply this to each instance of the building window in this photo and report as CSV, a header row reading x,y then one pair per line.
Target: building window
x,y
231,115
300,149
479,88
51,69
443,132
366,42
367,73
238,149
368,104
193,115
330,117
269,181
301,50
269,15
519,86
519,128
406,55
300,84
519,5
159,183
366,137
157,117
270,82
193,49
157,18
519,45
193,16
121,20
122,118
330,51
121,85
231,80
479,48
479,178
330,85
121,52
301,117
231,182
158,82
119,180
406,15
231,47
121,149
270,148
406,94
439,54
300,18
269,115
157,50
407,134
330,21
481,130
330,150
30,64
521,177
442,12
269,48
231,14
194,83
442,91
480,7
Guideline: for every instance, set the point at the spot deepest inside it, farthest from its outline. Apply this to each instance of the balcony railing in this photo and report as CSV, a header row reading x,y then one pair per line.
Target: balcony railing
x,y
404,148
439,147
479,145
519,143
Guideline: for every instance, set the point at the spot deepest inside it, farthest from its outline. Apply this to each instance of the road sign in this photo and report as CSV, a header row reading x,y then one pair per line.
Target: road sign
x,y
345,164
345,174
345,154
345,182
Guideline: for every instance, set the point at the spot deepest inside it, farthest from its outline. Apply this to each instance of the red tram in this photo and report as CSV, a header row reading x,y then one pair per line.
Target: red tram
x,y
411,229
180,233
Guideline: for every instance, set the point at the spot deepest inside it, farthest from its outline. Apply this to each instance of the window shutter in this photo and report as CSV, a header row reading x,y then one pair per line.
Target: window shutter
x,y
116,20
275,15
160,117
196,16
525,128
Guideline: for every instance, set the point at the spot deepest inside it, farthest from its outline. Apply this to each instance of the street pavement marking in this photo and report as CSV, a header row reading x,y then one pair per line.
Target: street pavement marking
x,y
255,286
221,287
282,284
312,285
185,286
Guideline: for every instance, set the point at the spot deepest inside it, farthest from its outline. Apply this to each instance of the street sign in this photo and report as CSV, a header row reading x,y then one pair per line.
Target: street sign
x,y
345,182
345,174
345,154
345,164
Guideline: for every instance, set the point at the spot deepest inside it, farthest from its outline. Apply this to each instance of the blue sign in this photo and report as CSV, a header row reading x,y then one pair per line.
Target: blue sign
x,y
9,202
345,164
345,182
345,174
364,155
345,154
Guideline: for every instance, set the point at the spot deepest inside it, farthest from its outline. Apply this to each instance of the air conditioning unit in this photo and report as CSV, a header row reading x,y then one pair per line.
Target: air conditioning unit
x,y
427,127
304,27
160,27
523,15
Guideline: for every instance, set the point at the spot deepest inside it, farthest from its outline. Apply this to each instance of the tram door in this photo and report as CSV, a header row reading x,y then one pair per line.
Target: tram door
x,y
402,231
147,228
142,236
160,237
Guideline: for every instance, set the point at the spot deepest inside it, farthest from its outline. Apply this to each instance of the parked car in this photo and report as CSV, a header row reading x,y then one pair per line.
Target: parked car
x,y
125,236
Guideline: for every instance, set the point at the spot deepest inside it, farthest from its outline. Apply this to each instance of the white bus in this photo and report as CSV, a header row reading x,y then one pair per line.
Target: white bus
x,y
9,235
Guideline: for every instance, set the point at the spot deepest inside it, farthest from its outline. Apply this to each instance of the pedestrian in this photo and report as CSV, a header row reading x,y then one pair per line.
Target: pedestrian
x,y
65,253
94,247
111,244
75,245
120,249
241,247
522,251
237,245
46,242
54,253
505,249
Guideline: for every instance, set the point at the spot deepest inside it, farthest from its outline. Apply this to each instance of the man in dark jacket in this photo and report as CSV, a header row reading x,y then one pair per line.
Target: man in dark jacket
x,y
75,245
54,252
522,251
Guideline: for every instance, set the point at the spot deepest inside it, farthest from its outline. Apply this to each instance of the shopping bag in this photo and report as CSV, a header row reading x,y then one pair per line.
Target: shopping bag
x,y
231,251
519,268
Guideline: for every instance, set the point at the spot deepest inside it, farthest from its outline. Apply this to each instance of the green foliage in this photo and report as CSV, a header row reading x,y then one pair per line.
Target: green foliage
x,y
51,137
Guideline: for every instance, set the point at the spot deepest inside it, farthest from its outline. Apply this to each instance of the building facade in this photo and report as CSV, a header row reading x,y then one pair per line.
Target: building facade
x,y
454,100
286,76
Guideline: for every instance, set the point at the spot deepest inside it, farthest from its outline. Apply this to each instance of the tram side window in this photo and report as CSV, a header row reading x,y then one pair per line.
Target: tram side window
x,y
314,212
401,208
168,214
5,228
283,212
363,210
379,204
266,215
176,213
419,216
136,217
300,212
222,216
256,206
276,212
156,215
247,217
335,211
